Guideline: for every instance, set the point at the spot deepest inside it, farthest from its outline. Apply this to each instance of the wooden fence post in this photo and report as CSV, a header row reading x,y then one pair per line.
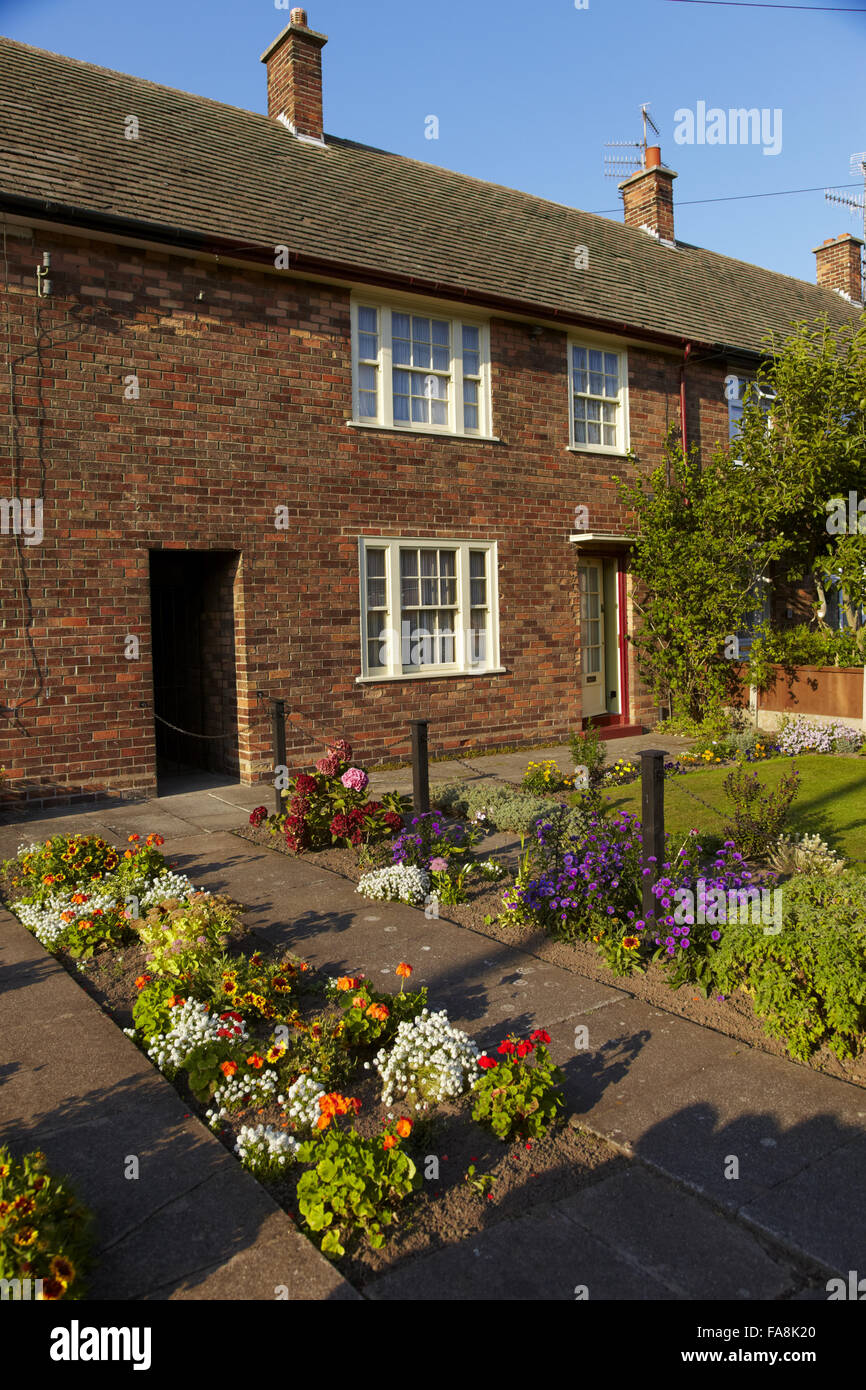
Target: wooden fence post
x,y
420,767
652,822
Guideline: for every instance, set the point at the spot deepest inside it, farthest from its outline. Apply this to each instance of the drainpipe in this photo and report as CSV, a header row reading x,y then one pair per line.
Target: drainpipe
x,y
686,354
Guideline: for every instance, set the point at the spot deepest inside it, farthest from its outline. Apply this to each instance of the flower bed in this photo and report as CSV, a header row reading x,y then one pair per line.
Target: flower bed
x,y
295,1072
45,1232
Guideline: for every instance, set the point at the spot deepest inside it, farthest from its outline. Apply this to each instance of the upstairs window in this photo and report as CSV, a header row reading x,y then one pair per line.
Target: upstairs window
x,y
737,388
597,387
420,371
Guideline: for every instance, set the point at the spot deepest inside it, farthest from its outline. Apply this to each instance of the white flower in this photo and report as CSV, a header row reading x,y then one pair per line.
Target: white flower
x,y
262,1147
440,1061
404,883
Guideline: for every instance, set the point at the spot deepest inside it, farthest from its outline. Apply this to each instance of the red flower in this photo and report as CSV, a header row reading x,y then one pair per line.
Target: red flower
x,y
523,1048
507,1047
539,1036
486,1062
258,815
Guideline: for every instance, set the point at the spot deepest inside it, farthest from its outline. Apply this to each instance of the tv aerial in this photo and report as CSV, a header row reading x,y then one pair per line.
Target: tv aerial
x,y
854,202
622,166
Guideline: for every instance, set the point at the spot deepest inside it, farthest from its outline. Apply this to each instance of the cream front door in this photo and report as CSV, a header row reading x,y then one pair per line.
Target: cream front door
x,y
592,638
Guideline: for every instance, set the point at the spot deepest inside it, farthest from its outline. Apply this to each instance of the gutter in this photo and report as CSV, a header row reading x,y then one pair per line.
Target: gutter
x,y
208,244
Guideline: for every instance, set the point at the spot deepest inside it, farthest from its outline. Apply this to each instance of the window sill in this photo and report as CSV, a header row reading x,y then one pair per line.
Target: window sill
x,y
431,675
433,434
598,449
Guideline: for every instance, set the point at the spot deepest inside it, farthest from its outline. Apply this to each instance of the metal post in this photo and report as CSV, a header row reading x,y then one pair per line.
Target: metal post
x,y
420,768
278,715
652,821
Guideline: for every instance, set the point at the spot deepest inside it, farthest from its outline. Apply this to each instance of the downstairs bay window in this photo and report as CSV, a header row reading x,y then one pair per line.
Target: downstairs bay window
x,y
428,608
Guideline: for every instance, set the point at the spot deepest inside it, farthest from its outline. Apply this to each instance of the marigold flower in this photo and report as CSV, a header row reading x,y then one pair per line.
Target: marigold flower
x,y
255,1061
389,1141
323,1121
133,839
379,1012
228,1068
404,1127
346,982
142,980
403,970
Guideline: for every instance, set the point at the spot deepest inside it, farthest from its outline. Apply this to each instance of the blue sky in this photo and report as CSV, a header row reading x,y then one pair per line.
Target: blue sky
x,y
528,94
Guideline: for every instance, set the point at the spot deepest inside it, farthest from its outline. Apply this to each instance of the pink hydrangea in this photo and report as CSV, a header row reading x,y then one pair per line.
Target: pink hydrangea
x,y
355,779
439,865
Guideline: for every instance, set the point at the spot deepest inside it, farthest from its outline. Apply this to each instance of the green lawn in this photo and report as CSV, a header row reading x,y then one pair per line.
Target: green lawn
x,y
831,801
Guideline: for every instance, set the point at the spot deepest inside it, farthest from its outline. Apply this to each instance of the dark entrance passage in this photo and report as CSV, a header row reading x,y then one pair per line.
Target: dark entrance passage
x,y
194,680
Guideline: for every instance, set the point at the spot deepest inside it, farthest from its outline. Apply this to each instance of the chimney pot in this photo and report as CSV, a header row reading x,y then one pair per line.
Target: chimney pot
x,y
299,17
653,156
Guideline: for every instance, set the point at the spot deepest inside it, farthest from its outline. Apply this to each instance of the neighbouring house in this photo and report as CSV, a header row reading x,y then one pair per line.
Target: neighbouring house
x,y
289,416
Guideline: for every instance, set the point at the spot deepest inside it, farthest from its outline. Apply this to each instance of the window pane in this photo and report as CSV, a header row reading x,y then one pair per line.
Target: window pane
x,y
442,332
471,339
478,635
596,383
442,359
609,436
421,330
579,432
376,564
611,386
592,410
368,346
401,352
447,561
611,364
400,326
471,363
470,392
579,357
368,320
593,434
596,360
470,417
367,378
367,404
580,381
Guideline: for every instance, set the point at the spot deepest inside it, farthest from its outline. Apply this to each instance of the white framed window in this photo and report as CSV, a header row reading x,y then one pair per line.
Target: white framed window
x,y
428,607
736,390
420,370
598,394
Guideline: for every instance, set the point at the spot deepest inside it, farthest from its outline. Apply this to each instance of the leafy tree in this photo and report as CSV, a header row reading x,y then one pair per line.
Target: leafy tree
x,y
709,533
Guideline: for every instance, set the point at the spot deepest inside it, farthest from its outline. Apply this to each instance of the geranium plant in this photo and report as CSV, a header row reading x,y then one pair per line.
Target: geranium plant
x,y
519,1095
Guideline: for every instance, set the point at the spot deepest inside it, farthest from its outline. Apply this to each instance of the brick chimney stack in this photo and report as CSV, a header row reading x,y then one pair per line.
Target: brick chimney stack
x,y
838,266
648,198
294,63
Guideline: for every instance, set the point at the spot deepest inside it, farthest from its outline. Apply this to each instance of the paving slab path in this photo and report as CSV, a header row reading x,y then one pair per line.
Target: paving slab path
x,y
690,1107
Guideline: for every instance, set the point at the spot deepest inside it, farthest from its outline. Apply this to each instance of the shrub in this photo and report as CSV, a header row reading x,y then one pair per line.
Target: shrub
x,y
757,815
427,837
501,806
330,806
808,982
521,1095
45,1232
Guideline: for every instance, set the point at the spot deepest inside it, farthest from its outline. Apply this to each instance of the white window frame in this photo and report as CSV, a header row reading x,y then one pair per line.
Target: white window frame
x,y
398,669
384,418
744,381
622,422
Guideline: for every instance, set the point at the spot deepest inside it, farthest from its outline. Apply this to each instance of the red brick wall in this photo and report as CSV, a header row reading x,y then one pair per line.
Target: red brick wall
x,y
243,400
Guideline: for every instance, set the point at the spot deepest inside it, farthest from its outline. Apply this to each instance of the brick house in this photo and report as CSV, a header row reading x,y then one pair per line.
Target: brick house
x,y
289,414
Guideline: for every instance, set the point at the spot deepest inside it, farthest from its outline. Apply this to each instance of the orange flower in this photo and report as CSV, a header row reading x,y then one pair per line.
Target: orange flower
x,y
359,1001
404,1128
323,1121
142,981
378,1011
228,1068
631,942
349,981
255,1061
403,970
134,838
389,1141
175,1001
